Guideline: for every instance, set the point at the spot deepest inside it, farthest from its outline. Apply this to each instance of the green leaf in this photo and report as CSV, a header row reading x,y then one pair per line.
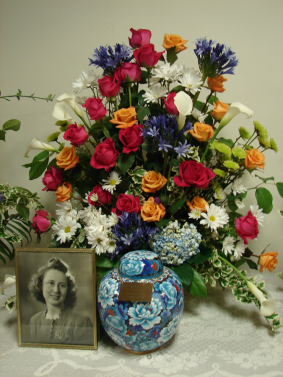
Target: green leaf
x,y
37,169
264,199
185,273
228,142
232,205
199,105
12,124
162,222
148,146
251,264
198,287
171,55
104,261
279,186
212,99
265,179
125,161
204,254
141,98
2,135
239,262
23,211
142,113
176,206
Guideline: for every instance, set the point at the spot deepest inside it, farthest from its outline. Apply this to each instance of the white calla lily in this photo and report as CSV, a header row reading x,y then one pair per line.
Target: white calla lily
x,y
267,307
38,144
234,109
9,280
70,99
60,113
184,104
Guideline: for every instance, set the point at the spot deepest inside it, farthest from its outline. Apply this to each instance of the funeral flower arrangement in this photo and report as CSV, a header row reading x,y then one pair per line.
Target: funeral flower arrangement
x,y
144,166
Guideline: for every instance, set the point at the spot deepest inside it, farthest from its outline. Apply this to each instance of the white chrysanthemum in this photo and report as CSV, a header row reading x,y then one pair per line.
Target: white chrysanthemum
x,y
219,194
111,245
238,187
198,115
257,212
85,81
216,217
97,238
65,228
112,220
191,80
166,72
228,245
239,203
239,250
111,182
195,213
153,93
66,209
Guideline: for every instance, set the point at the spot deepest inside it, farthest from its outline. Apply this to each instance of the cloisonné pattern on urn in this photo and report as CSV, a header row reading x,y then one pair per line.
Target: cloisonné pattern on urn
x,y
141,326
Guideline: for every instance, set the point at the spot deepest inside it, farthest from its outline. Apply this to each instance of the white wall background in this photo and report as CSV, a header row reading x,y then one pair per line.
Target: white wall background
x,y
45,45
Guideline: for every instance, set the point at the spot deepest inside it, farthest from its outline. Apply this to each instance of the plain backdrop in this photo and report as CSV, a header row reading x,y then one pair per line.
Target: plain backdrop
x,y
45,45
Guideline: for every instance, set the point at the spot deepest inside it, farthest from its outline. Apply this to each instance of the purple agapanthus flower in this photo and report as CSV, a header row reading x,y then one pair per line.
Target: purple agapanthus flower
x,y
108,59
182,149
214,61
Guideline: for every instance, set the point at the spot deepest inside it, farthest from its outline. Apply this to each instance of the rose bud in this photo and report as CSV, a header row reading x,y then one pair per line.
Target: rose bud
x,y
170,104
76,135
108,86
95,108
98,196
247,227
147,56
41,222
53,178
105,155
139,37
128,72
131,138
194,173
268,261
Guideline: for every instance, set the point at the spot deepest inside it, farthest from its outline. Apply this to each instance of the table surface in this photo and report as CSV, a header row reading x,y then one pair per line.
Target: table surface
x,y
217,336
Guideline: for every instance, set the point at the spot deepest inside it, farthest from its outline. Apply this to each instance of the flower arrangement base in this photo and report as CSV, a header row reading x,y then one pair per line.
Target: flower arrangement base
x,y
141,327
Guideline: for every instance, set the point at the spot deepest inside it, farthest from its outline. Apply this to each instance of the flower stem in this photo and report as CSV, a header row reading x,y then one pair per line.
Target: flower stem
x,y
130,94
210,141
234,268
165,164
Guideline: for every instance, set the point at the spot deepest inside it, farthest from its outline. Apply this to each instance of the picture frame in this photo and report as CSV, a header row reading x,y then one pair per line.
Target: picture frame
x,y
56,298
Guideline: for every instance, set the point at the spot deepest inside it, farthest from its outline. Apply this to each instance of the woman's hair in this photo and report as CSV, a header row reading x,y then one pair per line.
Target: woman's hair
x,y
35,285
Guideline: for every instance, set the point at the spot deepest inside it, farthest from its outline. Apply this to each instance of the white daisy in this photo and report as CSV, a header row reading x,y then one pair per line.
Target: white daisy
x,y
238,187
111,245
65,228
239,203
191,80
216,217
87,214
257,212
111,182
112,220
228,245
166,72
219,194
153,93
97,238
85,81
239,250
198,115
195,213
66,209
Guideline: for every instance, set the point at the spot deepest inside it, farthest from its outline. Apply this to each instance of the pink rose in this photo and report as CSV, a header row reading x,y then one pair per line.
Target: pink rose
x,y
128,69
194,174
139,37
77,135
98,196
41,222
147,56
131,138
105,155
95,108
108,86
53,178
247,227
170,104
127,203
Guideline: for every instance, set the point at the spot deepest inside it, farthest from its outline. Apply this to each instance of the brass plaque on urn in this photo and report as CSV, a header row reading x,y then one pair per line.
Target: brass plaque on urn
x,y
141,292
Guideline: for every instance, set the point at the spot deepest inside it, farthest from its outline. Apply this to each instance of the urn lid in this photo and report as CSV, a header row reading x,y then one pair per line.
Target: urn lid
x,y
140,265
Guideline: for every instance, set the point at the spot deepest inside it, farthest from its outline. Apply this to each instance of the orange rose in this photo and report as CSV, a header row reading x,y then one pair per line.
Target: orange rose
x,y
220,109
152,211
254,159
125,118
171,40
197,203
153,181
216,84
202,132
64,192
268,261
67,158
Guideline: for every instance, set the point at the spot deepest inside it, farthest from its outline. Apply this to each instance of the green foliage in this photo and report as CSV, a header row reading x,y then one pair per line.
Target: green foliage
x,y
198,287
264,199
279,186
125,161
185,273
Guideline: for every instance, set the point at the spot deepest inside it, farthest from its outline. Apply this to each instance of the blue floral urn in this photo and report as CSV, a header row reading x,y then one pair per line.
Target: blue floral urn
x,y
141,327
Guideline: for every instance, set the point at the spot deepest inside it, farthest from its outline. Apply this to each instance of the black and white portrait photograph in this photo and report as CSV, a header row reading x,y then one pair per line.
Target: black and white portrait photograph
x,y
56,298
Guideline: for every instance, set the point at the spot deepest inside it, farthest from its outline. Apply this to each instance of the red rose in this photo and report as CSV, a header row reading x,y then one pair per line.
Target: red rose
x,y
128,69
108,86
194,174
53,178
170,104
105,155
98,196
41,222
147,56
247,227
131,138
139,37
77,135
95,108
127,203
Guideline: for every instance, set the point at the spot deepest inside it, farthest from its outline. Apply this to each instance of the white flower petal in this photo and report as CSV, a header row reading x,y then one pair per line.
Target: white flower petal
x,y
184,105
38,144
267,307
70,99
234,109
9,280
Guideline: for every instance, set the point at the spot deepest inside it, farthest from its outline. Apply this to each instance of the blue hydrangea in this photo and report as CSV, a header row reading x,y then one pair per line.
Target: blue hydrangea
x,y
214,61
175,244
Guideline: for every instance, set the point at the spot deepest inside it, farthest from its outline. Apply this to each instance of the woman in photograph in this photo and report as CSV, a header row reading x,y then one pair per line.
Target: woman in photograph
x,y
55,286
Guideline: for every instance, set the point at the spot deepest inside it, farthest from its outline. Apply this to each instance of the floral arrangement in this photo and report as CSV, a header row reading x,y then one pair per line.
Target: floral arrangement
x,y
144,166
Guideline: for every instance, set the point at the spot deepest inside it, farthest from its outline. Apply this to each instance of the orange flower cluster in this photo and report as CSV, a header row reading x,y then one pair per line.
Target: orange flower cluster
x,y
254,159
152,211
153,181
67,158
63,192
202,131
268,261
197,203
171,40
216,84
125,118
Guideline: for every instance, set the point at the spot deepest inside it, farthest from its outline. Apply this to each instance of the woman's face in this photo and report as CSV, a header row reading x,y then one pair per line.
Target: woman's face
x,y
54,287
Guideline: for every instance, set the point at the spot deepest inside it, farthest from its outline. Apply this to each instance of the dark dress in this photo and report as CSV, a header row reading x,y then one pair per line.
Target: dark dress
x,y
70,328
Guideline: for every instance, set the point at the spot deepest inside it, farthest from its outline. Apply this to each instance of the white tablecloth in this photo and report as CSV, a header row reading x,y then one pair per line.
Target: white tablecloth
x,y
217,336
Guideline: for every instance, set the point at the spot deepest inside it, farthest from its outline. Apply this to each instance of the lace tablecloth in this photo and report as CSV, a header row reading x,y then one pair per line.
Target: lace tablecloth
x,y
217,336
